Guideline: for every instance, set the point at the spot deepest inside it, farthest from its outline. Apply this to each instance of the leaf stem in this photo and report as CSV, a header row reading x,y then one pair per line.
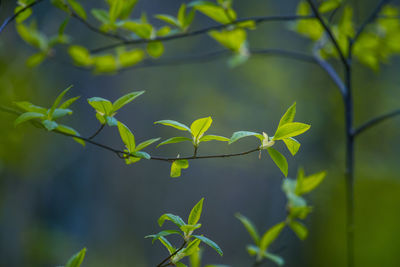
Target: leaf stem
x,y
162,264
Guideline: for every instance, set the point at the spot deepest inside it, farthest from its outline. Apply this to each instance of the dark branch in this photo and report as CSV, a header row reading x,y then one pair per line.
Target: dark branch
x,y
329,32
13,17
161,264
370,19
97,132
375,121
257,20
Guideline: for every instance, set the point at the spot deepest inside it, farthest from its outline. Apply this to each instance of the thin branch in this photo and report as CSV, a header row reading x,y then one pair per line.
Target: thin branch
x,y
124,154
170,256
329,32
375,121
13,17
97,132
370,19
256,20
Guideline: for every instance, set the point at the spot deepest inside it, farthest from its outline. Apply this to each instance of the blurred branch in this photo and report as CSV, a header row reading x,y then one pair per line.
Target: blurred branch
x,y
123,154
329,32
370,19
375,121
13,17
256,20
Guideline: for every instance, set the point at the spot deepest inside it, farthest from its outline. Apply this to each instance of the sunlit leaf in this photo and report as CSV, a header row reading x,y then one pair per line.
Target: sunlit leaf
x,y
173,140
290,130
177,167
126,136
77,259
251,229
77,7
171,217
199,127
207,138
271,235
175,124
28,116
195,213
210,243
146,143
300,230
292,145
279,160
240,134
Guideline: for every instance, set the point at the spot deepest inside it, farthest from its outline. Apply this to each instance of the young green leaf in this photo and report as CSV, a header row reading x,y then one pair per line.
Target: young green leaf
x,y
61,112
270,236
232,39
50,125
173,140
169,19
130,58
141,155
146,143
180,264
189,228
28,116
210,243
292,145
126,136
291,129
240,134
177,167
299,229
101,105
309,183
251,229
58,101
329,5
199,127
275,258
288,116
167,244
279,160
77,7
163,233
111,121
215,11
71,131
175,124
77,259
68,102
80,55
155,49
192,247
123,100
195,213
29,107
171,217
207,138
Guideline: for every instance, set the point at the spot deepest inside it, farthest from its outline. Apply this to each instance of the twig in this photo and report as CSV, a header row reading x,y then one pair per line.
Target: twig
x,y
375,121
170,256
370,19
97,132
13,17
256,20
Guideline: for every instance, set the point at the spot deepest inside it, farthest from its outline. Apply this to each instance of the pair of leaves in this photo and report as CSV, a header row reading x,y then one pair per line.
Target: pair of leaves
x,y
105,110
197,130
186,231
222,12
263,242
135,153
182,21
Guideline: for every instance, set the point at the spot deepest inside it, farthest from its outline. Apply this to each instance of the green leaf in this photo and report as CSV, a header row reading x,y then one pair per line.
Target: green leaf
x,y
77,259
328,6
101,15
215,12
171,217
275,258
199,127
141,154
173,140
130,58
29,107
143,30
210,243
288,116
192,247
28,116
251,229
180,264
177,167
36,59
115,9
32,36
23,15
61,112
111,121
146,143
58,100
101,105
181,14
126,136
123,100
195,213
270,236
105,63
167,244
80,55
290,130
189,228
50,125
231,39
299,229
240,134
68,102
169,19
207,138
155,49
163,233
163,31
77,7
254,250
69,130
195,259
292,145
279,160
309,183
175,124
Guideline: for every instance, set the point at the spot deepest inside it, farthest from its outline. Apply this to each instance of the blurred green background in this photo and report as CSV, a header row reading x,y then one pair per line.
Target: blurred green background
x,y
56,197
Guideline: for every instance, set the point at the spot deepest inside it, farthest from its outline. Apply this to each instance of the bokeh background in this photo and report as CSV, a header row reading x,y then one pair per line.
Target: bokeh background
x,y
56,197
